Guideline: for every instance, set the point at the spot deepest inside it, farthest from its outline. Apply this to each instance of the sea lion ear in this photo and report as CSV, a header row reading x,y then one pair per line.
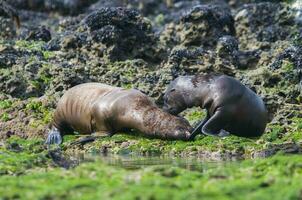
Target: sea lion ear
x,y
172,90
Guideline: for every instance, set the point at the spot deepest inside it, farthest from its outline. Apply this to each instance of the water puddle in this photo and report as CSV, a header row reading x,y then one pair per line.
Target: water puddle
x,y
133,162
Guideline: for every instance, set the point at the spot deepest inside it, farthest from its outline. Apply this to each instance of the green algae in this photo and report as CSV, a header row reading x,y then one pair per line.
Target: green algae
x,y
5,104
42,115
5,117
30,45
278,177
19,154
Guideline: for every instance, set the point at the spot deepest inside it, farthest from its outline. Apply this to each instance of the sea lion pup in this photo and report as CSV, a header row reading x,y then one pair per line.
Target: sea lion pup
x,y
231,106
102,109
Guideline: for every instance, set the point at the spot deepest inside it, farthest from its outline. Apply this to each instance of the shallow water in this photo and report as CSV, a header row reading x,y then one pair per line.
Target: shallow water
x,y
133,162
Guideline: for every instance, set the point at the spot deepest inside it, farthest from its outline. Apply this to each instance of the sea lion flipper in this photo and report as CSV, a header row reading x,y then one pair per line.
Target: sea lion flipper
x,y
223,133
198,128
215,124
54,137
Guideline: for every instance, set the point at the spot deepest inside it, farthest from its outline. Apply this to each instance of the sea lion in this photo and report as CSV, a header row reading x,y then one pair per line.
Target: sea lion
x,y
231,106
102,109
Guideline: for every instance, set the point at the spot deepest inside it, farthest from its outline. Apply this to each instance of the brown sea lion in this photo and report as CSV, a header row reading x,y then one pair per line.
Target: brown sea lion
x,y
103,109
231,106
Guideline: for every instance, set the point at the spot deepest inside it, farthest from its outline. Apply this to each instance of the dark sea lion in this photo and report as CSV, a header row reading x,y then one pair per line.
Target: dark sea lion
x,y
103,109
230,105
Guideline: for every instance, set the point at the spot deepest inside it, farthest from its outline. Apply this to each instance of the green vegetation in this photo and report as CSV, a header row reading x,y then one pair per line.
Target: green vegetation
x,y
4,117
18,155
5,104
34,46
30,45
26,172
278,177
42,115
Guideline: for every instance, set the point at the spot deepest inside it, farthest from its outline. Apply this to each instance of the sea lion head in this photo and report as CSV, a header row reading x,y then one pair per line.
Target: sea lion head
x,y
179,128
176,95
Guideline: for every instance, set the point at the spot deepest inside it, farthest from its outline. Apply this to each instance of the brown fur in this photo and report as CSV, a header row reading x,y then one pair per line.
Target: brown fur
x,y
91,107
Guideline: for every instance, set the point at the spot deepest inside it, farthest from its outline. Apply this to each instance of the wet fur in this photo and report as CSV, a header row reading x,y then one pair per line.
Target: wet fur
x,y
96,107
230,105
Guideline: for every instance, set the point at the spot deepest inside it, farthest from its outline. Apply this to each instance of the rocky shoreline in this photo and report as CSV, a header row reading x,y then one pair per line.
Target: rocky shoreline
x,y
145,46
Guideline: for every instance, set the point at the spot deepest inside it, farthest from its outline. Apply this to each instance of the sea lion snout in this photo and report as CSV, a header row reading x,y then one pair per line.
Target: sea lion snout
x,y
183,129
182,134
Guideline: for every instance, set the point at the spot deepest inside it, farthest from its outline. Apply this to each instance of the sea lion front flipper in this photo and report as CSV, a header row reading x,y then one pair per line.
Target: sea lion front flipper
x,y
198,128
223,133
215,124
54,137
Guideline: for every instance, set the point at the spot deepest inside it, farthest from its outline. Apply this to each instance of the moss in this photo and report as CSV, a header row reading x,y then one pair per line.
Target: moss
x,y
194,115
275,133
278,178
159,19
36,84
287,67
48,55
127,85
5,117
30,45
42,115
5,104
19,155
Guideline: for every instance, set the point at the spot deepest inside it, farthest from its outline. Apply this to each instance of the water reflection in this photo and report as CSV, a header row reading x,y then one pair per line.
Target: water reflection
x,y
132,162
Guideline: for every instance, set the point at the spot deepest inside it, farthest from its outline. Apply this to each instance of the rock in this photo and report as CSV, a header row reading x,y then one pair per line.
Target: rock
x,y
67,7
264,22
14,147
60,160
40,33
8,16
201,26
8,57
294,55
123,33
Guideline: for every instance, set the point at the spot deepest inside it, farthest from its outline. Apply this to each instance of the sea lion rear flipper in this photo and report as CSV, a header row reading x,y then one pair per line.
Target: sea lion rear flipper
x,y
215,124
54,137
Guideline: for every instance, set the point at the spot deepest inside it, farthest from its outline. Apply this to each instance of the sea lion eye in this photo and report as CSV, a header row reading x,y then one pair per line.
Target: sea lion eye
x,y
172,90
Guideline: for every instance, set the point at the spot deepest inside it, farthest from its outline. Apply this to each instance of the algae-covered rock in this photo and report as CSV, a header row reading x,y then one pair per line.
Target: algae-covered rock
x,y
39,34
264,22
294,56
201,26
124,32
9,20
